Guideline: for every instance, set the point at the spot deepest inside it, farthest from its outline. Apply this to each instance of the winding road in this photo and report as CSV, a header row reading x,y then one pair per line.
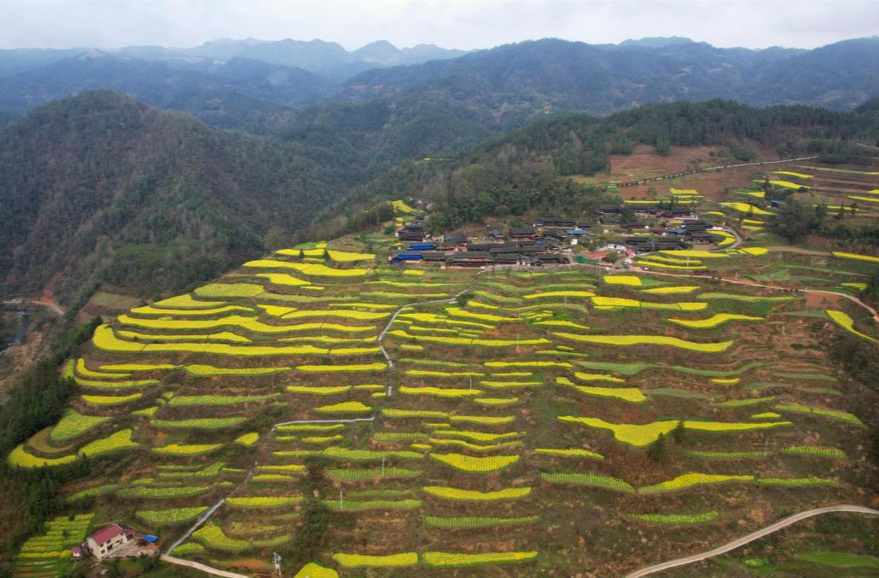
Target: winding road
x,y
779,525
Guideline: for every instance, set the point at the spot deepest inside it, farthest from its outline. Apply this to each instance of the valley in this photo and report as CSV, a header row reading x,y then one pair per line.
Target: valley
x,y
511,293
354,415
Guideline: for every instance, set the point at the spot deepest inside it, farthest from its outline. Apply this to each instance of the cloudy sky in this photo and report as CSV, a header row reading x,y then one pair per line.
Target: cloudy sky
x,y
464,24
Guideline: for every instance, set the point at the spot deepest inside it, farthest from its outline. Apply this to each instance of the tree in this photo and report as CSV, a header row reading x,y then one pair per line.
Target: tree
x,y
871,292
794,220
679,432
657,450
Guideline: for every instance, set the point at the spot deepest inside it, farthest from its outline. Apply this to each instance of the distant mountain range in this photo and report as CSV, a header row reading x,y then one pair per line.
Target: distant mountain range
x,y
262,86
328,59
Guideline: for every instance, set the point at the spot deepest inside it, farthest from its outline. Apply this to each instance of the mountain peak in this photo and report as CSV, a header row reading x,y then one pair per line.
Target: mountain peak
x,y
379,50
657,41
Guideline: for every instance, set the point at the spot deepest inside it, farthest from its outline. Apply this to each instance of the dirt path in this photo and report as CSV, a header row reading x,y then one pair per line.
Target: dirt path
x,y
52,306
200,566
781,524
708,170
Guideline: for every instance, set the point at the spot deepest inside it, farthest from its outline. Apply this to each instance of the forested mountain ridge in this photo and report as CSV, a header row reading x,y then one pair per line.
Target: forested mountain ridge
x,y
567,76
453,105
100,188
528,168
238,94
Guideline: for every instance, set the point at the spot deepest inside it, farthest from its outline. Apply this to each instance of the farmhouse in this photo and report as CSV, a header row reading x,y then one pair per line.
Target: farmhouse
x,y
101,543
562,223
523,233
470,259
414,232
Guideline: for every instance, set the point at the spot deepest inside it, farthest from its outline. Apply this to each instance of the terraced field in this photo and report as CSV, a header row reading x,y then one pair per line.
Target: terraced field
x,y
495,423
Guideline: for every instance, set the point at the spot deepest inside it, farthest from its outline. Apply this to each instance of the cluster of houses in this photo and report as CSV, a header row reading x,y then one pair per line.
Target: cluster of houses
x,y
519,246
548,241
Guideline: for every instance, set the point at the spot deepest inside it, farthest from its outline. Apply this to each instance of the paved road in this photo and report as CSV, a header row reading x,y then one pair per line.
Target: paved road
x,y
200,566
781,524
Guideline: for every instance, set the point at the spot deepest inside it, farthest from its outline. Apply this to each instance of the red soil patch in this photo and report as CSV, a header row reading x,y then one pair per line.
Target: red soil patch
x,y
821,301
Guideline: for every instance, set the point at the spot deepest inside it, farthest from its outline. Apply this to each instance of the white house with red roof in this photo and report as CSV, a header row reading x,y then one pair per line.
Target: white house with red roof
x,y
102,543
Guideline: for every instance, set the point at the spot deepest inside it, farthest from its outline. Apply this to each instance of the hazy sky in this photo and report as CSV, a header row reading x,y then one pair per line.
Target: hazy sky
x,y
450,23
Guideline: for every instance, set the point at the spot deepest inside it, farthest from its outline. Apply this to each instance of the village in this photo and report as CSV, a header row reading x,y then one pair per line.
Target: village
x,y
615,235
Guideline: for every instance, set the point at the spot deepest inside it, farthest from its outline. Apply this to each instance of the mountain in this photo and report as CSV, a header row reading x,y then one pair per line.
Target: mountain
x,y
99,188
231,94
564,76
528,169
451,105
5,118
20,60
334,62
386,54
378,51
312,55
656,41
223,48
840,75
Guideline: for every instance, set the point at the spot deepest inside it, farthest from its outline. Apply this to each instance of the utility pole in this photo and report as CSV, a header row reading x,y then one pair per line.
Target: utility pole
x,y
341,503
276,559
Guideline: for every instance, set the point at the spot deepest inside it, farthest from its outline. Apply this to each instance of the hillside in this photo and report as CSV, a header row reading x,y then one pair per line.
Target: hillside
x,y
561,165
99,188
514,422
